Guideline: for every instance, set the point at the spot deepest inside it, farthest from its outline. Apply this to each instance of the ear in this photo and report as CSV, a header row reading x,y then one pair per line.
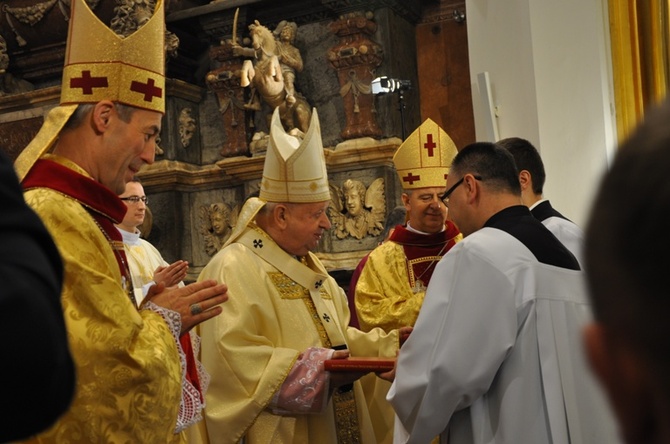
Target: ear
x,y
405,200
471,187
624,375
102,113
525,179
280,215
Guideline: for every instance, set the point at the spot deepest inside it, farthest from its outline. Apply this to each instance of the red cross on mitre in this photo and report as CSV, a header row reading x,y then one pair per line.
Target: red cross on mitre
x,y
87,83
429,145
148,89
410,178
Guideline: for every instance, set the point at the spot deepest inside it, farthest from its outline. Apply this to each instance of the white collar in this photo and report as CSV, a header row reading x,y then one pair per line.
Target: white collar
x,y
130,238
414,230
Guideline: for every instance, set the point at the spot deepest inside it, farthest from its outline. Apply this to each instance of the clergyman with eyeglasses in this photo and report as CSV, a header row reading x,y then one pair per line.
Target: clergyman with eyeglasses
x,y
495,355
147,266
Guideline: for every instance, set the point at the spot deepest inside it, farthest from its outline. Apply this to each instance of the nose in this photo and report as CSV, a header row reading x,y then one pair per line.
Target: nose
x,y
325,222
149,153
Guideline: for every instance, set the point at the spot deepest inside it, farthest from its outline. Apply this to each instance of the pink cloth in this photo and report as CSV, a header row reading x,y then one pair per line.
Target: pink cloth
x,y
305,389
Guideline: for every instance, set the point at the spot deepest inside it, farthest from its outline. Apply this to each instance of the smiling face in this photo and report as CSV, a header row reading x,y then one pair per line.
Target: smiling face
x,y
425,209
127,147
219,220
354,196
305,224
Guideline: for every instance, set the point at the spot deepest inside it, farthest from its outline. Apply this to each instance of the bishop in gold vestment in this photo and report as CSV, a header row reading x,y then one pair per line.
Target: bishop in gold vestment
x,y
392,284
282,303
131,384
128,372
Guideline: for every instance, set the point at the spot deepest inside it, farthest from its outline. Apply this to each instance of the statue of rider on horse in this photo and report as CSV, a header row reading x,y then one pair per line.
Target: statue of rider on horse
x,y
272,72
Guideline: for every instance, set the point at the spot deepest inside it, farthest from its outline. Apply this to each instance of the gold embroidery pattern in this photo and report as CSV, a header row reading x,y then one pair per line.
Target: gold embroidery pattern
x,y
346,417
344,403
412,262
123,394
325,340
287,287
324,294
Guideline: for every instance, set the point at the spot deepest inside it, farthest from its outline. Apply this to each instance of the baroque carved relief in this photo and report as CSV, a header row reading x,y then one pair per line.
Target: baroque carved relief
x,y
216,224
224,81
355,59
130,15
357,211
187,126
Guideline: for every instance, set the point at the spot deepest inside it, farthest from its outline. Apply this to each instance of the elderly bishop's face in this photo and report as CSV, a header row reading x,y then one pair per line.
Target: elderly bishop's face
x,y
305,224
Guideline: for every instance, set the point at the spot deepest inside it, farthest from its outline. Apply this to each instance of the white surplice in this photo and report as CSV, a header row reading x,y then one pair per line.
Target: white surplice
x,y
143,260
496,353
568,233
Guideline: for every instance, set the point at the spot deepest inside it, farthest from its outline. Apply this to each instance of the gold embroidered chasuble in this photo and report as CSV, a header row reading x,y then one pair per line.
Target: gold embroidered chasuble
x,y
128,369
269,320
390,290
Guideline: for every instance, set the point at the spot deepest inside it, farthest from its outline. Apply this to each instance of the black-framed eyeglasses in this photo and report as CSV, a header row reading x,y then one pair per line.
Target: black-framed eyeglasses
x,y
445,196
136,199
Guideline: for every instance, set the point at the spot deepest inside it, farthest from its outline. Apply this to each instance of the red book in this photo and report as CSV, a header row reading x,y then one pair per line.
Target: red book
x,y
357,364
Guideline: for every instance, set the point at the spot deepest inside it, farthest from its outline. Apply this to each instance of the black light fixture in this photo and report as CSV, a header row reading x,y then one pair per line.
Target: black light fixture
x,y
384,85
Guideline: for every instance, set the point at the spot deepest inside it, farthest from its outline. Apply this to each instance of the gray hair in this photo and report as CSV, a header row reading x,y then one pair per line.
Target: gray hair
x,y
125,113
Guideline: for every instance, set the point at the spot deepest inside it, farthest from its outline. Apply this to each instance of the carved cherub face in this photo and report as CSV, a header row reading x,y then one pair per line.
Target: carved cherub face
x,y
353,202
219,220
354,196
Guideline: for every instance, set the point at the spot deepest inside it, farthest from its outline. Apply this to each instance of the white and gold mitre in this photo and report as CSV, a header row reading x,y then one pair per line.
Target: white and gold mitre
x,y
294,170
100,65
424,158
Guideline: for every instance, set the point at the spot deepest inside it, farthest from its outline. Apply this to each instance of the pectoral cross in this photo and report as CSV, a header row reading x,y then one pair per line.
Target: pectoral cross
x,y
418,286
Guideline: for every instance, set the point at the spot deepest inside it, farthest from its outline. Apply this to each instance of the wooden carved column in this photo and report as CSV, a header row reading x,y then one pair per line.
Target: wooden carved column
x,y
355,58
225,82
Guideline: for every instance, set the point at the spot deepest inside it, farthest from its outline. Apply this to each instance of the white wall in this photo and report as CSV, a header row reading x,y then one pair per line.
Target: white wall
x,y
549,68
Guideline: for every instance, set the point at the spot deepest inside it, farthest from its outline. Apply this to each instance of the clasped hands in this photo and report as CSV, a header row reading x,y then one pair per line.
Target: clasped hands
x,y
172,274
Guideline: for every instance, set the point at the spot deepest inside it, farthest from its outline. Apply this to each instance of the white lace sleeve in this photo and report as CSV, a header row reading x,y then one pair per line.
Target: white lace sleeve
x,y
191,405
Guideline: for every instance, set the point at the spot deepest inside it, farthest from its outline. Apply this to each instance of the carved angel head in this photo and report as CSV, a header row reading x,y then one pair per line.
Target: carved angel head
x,y
356,211
354,196
219,216
216,224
